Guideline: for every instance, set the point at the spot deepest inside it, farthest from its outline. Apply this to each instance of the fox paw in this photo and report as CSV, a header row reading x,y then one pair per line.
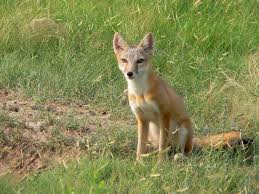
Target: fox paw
x,y
139,161
179,157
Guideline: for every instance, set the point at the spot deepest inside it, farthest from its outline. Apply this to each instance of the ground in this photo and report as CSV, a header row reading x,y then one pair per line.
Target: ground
x,y
39,137
36,135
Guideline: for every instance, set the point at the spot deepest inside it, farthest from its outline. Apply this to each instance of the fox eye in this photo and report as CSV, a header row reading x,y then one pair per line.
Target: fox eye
x,y
124,60
140,61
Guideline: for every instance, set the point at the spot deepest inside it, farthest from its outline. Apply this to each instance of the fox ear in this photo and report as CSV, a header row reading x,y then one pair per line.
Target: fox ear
x,y
148,43
119,43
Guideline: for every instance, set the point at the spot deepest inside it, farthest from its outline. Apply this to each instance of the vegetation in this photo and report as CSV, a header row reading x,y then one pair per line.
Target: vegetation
x,y
208,50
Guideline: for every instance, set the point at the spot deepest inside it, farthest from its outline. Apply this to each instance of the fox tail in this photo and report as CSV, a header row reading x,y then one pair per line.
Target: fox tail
x,y
227,140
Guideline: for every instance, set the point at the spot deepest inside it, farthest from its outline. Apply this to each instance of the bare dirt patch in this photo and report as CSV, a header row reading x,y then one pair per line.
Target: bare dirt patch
x,y
35,135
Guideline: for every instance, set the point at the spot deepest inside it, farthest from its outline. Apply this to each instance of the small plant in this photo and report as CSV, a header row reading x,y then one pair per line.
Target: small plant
x,y
72,124
3,137
8,121
4,118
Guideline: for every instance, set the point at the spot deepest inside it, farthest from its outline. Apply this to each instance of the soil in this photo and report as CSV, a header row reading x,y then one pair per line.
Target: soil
x,y
35,135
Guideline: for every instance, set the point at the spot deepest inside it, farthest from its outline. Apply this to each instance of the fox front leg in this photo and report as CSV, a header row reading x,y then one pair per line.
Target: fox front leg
x,y
142,138
163,138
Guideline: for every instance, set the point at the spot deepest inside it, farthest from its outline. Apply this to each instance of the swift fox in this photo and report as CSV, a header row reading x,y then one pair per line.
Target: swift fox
x,y
160,113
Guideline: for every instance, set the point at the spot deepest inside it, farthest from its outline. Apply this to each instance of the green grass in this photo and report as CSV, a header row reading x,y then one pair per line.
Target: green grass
x,y
207,51
109,168
119,176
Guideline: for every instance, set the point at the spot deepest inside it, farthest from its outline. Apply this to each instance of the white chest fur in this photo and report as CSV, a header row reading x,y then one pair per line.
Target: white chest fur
x,y
147,109
139,105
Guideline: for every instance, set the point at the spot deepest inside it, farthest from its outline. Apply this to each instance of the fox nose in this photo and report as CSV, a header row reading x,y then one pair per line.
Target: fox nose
x,y
130,74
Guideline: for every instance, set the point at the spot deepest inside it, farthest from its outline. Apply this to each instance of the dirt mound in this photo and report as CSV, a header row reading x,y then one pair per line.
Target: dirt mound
x,y
34,135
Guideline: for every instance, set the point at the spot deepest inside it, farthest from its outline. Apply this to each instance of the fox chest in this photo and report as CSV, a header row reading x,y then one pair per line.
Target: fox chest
x,y
146,109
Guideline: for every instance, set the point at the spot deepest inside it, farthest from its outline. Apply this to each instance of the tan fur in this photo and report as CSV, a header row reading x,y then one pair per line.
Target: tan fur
x,y
159,111
223,140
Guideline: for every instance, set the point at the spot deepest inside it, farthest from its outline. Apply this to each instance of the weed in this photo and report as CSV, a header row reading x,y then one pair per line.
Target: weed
x,y
207,50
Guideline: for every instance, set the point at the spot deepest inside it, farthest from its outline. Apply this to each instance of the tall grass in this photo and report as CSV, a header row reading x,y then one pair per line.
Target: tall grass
x,y
208,50
195,42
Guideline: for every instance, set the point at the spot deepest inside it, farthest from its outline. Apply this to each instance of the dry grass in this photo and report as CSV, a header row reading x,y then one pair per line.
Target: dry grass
x,y
44,29
237,96
63,50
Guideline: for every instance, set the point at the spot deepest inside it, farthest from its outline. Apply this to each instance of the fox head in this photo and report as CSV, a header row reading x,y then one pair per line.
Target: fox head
x,y
133,61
